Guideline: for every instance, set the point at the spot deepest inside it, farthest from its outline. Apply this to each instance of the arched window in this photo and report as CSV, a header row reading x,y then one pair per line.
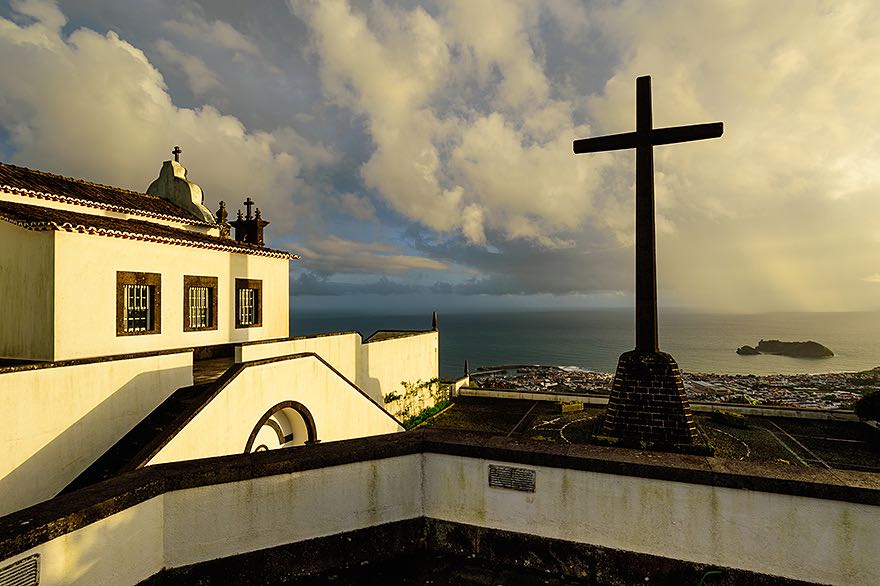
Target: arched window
x,y
287,424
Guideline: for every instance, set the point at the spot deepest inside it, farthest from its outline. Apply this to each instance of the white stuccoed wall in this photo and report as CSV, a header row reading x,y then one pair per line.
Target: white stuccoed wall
x,y
384,365
223,426
85,294
377,368
26,289
803,538
56,421
342,351
206,523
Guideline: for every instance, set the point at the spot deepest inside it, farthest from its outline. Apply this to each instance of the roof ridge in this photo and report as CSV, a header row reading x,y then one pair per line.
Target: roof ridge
x,y
78,180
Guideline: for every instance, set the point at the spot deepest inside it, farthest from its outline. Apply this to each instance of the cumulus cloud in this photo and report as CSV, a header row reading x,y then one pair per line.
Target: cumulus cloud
x,y
875,278
338,255
460,169
358,207
200,77
216,32
471,126
454,120
92,105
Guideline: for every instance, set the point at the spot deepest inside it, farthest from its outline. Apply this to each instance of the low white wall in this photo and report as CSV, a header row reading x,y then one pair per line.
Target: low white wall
x,y
378,368
199,524
224,425
210,522
56,421
125,548
341,351
802,538
385,365
465,391
412,399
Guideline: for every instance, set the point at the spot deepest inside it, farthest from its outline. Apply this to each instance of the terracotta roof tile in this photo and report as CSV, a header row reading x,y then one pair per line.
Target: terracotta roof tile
x,y
37,217
58,188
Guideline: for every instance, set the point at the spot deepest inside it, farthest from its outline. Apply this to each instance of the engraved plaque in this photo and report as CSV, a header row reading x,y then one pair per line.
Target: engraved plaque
x,y
513,478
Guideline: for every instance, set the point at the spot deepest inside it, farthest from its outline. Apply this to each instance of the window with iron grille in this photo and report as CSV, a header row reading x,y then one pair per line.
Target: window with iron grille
x,y
137,303
199,307
248,301
199,303
138,308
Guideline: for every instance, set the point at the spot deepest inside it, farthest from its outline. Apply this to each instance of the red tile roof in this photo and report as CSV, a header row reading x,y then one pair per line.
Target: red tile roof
x,y
51,187
37,217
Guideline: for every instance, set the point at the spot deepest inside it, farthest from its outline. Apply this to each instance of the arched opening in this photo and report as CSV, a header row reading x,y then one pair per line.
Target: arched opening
x,y
286,424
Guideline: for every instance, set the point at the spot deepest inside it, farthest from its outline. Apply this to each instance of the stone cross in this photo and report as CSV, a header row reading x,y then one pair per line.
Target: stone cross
x,y
248,204
643,140
176,152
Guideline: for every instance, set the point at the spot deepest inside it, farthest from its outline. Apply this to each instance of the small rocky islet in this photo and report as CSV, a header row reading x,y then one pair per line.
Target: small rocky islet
x,y
808,349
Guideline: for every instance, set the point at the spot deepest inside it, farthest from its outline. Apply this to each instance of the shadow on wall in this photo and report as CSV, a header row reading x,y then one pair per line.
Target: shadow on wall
x,y
372,386
45,473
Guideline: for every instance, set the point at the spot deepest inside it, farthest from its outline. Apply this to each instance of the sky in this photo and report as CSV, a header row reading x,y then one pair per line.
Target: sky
x,y
418,154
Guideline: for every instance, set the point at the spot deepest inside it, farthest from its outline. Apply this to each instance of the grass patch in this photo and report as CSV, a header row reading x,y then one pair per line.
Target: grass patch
x,y
425,414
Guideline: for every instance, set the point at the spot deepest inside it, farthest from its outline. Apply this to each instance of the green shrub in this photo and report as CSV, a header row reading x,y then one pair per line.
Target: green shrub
x,y
868,407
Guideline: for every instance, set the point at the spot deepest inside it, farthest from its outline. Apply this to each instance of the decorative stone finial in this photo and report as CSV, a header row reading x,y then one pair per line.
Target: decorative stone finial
x,y
434,321
176,152
249,229
222,222
467,369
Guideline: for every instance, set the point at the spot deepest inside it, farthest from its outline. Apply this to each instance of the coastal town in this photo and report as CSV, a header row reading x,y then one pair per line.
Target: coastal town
x,y
837,390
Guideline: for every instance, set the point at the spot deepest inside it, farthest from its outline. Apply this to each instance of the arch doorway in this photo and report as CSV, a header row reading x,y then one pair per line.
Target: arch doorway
x,y
286,424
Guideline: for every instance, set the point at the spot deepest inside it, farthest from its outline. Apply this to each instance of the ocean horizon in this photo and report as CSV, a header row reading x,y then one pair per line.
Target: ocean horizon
x,y
593,339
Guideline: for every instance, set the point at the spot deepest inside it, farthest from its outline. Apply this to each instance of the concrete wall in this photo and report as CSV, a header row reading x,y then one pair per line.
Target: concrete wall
x,y
385,365
85,294
26,290
56,421
803,538
342,351
224,425
378,368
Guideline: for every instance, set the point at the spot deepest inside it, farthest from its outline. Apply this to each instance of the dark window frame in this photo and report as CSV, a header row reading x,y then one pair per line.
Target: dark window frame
x,y
257,286
152,280
210,283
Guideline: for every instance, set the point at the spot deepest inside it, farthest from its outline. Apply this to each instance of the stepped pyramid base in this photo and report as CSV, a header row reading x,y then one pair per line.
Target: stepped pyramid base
x,y
648,402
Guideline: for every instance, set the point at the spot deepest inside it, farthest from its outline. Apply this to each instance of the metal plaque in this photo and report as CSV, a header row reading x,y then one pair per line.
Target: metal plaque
x,y
513,478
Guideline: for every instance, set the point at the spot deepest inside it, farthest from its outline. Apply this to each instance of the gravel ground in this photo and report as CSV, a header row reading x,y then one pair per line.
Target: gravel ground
x,y
775,440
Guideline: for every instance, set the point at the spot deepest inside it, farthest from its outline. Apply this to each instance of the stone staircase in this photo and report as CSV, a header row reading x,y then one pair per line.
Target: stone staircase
x,y
146,438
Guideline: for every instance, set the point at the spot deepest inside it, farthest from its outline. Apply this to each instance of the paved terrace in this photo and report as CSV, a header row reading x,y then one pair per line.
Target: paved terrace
x,y
785,440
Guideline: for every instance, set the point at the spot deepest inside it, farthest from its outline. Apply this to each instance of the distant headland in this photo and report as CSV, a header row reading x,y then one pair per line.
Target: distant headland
x,y
807,349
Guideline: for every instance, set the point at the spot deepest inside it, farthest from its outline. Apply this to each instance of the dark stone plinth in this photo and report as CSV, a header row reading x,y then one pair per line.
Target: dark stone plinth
x,y
648,402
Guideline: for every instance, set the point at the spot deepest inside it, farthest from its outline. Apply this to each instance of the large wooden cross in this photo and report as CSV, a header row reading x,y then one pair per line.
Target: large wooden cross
x,y
643,140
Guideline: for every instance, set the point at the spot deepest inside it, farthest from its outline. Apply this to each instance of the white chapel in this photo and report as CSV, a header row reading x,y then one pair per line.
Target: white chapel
x,y
141,328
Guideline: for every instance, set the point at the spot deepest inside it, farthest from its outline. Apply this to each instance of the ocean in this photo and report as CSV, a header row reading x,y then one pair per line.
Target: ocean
x,y
592,339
